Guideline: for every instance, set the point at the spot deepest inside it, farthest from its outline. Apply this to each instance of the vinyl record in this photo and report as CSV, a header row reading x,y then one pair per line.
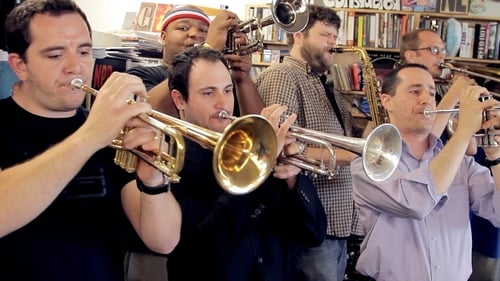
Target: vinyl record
x,y
453,36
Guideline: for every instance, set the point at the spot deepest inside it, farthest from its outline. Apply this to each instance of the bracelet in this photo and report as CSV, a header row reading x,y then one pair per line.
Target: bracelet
x,y
491,163
153,190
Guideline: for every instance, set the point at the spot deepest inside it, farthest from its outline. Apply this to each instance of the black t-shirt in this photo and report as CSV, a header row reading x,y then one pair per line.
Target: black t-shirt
x,y
79,236
150,75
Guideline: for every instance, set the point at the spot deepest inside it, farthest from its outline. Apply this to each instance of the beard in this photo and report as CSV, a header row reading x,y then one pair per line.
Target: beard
x,y
315,58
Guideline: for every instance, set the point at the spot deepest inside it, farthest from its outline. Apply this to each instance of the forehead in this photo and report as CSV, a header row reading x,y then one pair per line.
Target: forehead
x,y
45,28
205,72
428,38
414,75
324,26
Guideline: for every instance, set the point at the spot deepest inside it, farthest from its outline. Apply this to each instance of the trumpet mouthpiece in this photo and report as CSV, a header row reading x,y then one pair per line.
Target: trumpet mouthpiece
x,y
427,112
77,83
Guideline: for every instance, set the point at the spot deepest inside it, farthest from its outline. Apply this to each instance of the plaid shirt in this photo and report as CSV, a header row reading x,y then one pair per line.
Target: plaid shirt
x,y
294,84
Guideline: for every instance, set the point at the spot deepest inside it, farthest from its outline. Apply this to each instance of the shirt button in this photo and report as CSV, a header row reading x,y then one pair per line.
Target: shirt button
x,y
434,240
260,260
437,267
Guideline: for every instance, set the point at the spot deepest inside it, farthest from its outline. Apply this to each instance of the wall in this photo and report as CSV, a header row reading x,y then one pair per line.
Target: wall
x,y
108,15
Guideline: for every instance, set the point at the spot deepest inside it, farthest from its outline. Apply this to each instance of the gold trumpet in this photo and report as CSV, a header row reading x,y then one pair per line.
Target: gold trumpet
x,y
381,150
244,153
290,15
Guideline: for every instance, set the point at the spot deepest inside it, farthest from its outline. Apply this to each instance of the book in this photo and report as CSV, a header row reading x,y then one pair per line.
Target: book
x,y
490,46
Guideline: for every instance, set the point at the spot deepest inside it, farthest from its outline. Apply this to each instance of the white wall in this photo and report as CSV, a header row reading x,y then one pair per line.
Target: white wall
x,y
108,15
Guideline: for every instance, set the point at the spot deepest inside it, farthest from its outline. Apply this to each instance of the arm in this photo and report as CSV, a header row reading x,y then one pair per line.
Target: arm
x,y
54,168
249,99
470,121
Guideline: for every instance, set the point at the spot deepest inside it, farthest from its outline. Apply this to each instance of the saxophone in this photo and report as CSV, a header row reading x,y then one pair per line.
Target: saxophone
x,y
370,84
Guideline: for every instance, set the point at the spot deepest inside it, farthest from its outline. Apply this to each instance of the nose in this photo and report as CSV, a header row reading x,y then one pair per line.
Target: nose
x,y
72,64
195,32
223,101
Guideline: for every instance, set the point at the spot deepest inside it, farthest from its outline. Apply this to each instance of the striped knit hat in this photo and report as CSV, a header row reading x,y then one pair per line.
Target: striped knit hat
x,y
183,12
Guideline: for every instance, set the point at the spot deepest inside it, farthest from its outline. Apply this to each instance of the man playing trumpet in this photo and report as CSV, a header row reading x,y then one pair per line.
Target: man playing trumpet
x,y
424,206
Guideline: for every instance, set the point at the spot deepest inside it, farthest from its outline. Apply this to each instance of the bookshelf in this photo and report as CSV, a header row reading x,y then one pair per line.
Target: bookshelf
x,y
379,31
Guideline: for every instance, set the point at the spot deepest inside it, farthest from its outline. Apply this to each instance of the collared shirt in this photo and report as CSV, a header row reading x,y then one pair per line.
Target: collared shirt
x,y
413,233
294,84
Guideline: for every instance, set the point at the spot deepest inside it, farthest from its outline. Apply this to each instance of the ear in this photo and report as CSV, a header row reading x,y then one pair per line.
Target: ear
x,y
410,56
386,99
163,36
18,66
178,100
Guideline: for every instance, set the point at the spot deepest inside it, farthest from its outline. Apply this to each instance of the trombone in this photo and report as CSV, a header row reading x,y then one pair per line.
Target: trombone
x,y
380,151
244,153
472,73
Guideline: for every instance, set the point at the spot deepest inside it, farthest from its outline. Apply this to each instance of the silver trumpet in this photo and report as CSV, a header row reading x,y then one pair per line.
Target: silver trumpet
x,y
380,151
484,137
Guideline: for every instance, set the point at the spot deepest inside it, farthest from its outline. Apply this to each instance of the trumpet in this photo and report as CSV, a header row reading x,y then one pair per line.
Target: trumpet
x,y
484,137
381,150
244,153
290,15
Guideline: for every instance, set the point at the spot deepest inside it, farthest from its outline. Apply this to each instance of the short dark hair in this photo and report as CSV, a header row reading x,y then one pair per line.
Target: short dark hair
x,y
391,81
18,36
180,66
411,40
317,13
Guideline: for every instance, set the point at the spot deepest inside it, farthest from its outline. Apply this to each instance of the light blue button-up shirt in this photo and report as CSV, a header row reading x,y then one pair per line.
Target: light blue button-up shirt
x,y
413,233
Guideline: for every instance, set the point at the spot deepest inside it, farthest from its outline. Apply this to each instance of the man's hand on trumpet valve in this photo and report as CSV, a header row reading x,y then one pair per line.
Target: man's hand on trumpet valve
x,y
143,136
471,109
274,114
111,111
223,23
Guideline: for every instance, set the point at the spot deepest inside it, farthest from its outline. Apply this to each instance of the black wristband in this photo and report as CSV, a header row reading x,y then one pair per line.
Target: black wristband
x,y
490,163
152,190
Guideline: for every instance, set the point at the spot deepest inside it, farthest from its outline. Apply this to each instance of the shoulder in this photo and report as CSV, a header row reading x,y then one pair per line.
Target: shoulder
x,y
142,71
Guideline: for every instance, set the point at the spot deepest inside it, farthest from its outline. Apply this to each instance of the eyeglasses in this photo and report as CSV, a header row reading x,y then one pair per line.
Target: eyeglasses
x,y
435,50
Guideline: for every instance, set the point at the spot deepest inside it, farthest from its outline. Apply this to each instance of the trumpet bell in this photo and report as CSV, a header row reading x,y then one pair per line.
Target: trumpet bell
x,y
245,154
381,152
292,16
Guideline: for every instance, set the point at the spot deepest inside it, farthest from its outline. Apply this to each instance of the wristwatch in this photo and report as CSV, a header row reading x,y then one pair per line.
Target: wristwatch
x,y
153,190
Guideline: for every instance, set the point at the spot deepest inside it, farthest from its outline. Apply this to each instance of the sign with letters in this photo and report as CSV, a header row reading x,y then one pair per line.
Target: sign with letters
x,y
391,5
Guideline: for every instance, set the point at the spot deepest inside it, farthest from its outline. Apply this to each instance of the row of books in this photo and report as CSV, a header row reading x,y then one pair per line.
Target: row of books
x,y
347,77
269,56
270,32
475,40
380,30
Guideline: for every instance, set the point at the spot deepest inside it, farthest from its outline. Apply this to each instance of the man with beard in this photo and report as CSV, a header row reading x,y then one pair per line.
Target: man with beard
x,y
299,83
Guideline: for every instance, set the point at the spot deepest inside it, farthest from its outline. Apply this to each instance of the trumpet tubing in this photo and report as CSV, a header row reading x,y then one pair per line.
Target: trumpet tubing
x,y
380,151
484,137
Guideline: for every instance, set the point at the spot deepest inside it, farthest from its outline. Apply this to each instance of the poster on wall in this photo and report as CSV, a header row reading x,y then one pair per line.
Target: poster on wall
x,y
390,5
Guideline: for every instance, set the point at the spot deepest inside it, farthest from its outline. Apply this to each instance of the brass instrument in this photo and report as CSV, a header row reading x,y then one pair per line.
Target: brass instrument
x,y
487,73
290,15
370,84
381,150
484,137
244,153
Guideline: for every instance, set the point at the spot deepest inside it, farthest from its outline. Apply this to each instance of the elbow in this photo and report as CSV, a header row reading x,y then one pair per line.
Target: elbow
x,y
163,246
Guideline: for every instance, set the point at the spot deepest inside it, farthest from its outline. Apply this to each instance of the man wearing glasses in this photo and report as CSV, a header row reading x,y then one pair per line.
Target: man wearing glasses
x,y
424,46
